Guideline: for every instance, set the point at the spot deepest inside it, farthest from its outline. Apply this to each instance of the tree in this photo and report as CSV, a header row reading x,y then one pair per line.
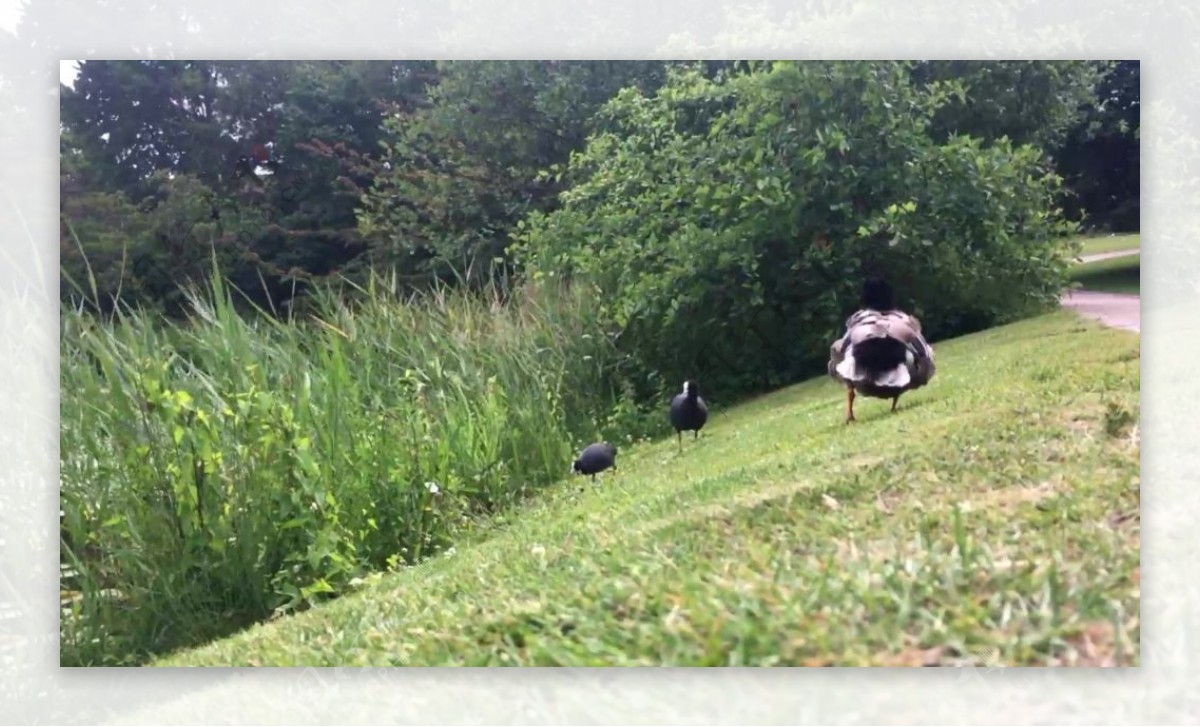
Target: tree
x,y
261,139
333,113
1100,159
133,118
1083,114
457,174
1030,102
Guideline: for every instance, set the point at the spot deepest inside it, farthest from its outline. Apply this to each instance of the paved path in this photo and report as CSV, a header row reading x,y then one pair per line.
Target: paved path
x,y
1111,309
1107,255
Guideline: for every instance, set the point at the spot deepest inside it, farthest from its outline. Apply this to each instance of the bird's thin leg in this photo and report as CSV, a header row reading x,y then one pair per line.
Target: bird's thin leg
x,y
695,434
895,400
849,404
679,437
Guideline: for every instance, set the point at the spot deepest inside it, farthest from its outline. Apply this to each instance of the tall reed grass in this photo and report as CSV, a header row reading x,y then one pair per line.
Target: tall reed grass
x,y
222,469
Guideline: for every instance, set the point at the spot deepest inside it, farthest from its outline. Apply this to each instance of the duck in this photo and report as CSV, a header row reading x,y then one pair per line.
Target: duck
x,y
883,352
689,413
595,458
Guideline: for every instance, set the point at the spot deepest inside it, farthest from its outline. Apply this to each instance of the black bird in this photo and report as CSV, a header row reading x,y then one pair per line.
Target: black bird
x,y
688,411
595,458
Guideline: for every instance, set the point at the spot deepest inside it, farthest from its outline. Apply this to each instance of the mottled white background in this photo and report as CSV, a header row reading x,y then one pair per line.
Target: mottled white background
x,y
32,687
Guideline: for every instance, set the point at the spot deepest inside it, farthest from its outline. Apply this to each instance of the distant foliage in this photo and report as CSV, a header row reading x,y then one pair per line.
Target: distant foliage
x,y
457,173
1085,115
1029,102
146,253
1101,157
265,141
725,223
330,169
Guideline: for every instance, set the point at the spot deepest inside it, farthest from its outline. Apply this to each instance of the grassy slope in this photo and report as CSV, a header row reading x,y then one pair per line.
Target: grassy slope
x,y
993,519
1107,243
1114,275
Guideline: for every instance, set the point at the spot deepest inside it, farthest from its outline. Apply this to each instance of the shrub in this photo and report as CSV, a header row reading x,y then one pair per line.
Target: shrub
x,y
726,223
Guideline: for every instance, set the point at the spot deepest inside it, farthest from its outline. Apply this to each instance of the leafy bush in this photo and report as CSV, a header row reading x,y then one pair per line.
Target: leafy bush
x,y
726,223
217,470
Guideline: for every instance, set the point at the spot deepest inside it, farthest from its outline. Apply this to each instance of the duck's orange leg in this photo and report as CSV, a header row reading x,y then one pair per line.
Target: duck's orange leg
x,y
849,404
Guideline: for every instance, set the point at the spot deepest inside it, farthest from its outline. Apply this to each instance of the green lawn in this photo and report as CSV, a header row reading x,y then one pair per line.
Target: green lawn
x,y
1106,243
994,519
1114,275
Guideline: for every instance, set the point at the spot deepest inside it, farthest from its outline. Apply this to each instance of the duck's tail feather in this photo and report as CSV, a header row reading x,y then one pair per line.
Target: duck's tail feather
x,y
881,361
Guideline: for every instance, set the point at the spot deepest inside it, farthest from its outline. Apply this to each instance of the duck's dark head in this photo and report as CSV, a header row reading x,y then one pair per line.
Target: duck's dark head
x,y
691,389
878,295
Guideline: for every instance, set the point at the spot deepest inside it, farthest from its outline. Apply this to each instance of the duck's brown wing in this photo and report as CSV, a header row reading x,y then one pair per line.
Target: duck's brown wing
x,y
907,329
860,326
837,353
909,319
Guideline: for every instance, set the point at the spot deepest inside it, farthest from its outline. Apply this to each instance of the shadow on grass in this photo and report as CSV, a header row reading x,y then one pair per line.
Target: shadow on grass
x,y
1115,275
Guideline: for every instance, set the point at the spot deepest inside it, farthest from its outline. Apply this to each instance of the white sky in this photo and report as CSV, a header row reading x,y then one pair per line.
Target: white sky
x,y
10,15
67,70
